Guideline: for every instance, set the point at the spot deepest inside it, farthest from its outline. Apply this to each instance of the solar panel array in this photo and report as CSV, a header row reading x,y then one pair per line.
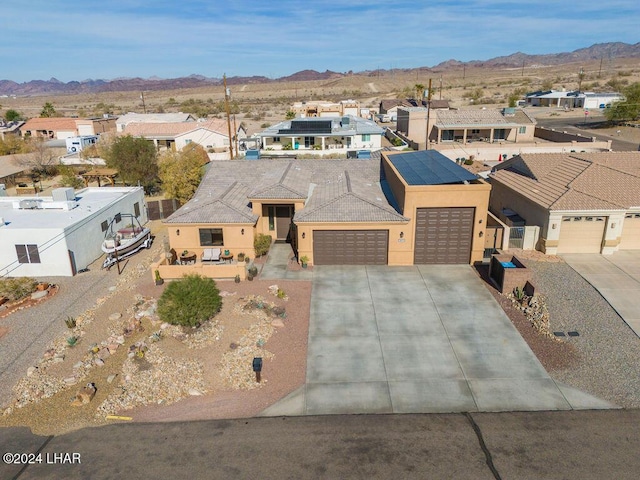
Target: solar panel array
x,y
429,167
305,127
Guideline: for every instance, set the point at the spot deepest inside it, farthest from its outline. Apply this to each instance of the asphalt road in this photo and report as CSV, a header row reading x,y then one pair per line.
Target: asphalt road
x,y
578,125
537,445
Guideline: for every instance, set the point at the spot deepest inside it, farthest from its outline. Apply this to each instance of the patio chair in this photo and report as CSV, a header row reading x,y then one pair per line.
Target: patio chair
x,y
211,255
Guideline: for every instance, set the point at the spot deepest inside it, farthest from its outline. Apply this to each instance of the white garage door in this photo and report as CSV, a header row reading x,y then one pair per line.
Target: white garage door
x,y
581,234
631,232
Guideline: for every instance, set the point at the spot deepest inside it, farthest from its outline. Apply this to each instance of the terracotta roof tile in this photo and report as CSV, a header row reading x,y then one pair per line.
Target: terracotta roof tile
x,y
585,181
53,123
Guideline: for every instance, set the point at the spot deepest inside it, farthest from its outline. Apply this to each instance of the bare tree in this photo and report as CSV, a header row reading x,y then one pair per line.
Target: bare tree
x,y
41,158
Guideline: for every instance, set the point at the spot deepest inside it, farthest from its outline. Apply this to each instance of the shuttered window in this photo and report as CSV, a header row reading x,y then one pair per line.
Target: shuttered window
x,y
28,253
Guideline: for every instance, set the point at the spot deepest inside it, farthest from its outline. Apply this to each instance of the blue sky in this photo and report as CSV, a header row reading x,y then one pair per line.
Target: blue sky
x,y
77,40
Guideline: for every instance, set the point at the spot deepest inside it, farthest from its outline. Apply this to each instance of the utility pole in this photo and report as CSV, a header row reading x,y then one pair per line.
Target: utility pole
x,y
440,86
580,77
235,135
428,115
228,110
144,106
600,69
522,75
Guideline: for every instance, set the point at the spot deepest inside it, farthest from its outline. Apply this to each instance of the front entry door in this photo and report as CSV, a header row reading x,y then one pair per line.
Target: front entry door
x,y
283,220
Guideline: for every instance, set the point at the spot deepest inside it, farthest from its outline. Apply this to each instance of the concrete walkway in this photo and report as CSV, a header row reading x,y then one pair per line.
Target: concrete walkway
x,y
616,277
276,265
423,339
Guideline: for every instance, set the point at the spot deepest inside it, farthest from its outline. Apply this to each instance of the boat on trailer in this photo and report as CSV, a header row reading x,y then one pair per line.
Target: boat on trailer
x,y
123,242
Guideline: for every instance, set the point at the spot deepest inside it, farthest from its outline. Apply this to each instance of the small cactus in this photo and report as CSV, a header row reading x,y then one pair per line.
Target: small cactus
x,y
71,322
518,293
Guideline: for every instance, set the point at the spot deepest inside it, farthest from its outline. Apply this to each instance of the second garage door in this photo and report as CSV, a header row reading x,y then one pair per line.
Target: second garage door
x,y
581,234
443,235
350,247
631,232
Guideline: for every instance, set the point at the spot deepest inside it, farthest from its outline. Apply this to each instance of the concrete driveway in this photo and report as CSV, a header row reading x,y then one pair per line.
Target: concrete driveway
x,y
616,277
418,339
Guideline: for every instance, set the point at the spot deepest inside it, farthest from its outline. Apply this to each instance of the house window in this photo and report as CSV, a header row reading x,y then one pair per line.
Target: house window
x,y
366,137
28,253
211,237
522,130
272,216
117,218
447,135
309,141
475,131
276,139
136,209
499,134
187,141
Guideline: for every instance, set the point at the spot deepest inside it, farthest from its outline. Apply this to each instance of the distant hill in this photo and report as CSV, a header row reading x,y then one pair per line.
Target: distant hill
x,y
53,86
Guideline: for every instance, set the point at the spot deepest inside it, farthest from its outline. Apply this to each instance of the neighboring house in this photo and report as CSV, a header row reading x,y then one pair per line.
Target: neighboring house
x,y
582,202
124,120
574,99
396,209
319,108
64,127
512,125
11,128
51,128
61,234
389,108
210,134
10,169
330,135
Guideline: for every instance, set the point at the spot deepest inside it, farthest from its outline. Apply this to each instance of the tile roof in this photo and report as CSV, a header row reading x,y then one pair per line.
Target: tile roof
x,y
575,181
335,191
173,129
50,123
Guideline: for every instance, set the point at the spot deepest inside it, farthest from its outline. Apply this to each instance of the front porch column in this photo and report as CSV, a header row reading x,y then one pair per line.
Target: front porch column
x,y
491,135
323,145
439,136
464,136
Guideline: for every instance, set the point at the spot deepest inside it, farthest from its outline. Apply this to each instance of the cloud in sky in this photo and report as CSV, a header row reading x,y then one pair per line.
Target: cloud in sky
x,y
73,40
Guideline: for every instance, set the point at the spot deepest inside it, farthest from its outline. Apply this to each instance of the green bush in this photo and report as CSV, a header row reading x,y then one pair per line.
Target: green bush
x,y
262,243
190,301
468,161
17,288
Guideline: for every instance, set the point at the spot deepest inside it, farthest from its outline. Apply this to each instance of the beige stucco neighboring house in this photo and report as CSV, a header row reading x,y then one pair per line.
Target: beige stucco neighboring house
x,y
465,126
582,202
64,127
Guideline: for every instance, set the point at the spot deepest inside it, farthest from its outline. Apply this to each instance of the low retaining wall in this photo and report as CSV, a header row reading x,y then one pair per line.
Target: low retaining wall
x,y
224,270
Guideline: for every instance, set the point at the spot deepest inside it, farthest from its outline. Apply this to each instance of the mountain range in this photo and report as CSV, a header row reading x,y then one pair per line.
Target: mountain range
x,y
53,86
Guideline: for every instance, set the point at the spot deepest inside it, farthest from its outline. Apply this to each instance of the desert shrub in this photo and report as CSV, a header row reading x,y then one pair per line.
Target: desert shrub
x,y
17,288
190,301
262,243
468,161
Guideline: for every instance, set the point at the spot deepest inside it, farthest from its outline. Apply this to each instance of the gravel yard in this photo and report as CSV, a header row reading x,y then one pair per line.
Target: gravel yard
x,y
604,360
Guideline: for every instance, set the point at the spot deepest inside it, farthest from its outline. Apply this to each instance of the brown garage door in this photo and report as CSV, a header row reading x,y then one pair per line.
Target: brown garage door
x,y
443,235
350,247
630,232
581,234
